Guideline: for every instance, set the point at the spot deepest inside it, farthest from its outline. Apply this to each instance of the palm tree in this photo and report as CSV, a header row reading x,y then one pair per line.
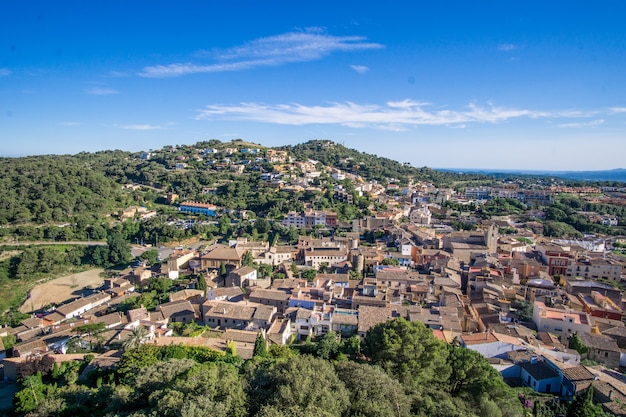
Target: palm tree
x,y
136,338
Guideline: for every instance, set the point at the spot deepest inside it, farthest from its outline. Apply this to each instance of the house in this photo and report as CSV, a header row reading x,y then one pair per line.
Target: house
x,y
598,305
240,277
602,349
231,294
563,323
540,376
218,255
277,255
345,322
279,332
177,311
218,314
576,380
275,298
194,207
492,344
34,347
82,305
557,257
315,257
371,316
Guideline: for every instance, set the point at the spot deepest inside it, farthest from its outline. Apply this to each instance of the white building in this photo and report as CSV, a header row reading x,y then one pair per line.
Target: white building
x,y
563,323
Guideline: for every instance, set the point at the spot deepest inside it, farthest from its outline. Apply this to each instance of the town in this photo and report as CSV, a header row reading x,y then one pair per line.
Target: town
x,y
485,267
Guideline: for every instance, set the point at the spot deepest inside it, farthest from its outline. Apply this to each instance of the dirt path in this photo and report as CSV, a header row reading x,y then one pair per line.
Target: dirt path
x,y
61,289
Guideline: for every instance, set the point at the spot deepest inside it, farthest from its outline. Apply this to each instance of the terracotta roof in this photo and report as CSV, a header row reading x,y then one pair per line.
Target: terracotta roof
x,y
478,338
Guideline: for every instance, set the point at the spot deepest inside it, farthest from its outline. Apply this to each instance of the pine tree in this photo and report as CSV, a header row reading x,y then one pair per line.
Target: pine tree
x,y
260,346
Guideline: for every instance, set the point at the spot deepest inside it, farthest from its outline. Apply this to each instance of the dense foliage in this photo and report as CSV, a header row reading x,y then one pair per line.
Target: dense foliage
x,y
402,371
46,189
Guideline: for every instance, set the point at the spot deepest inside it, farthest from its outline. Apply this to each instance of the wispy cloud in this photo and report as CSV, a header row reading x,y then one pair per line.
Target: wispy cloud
x,y
116,74
143,127
4,72
506,47
393,115
303,46
591,123
361,69
100,91
69,124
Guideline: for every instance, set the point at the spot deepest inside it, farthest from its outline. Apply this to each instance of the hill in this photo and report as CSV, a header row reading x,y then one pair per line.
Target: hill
x,y
373,167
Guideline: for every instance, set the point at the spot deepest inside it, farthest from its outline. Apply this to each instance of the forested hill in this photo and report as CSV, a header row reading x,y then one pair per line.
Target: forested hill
x,y
57,188
371,166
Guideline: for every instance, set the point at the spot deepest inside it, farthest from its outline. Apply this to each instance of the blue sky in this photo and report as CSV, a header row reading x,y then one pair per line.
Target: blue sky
x,y
515,85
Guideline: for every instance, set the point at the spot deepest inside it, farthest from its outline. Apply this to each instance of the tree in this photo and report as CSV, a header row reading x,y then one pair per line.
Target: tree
x,y
248,259
151,256
524,310
91,330
309,274
119,249
260,346
265,270
583,406
31,395
408,351
328,347
576,343
307,384
471,373
373,393
161,286
391,261
137,336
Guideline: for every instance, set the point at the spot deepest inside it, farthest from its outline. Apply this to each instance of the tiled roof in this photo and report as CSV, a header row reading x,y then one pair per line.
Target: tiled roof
x,y
176,307
270,294
598,341
237,311
578,373
240,335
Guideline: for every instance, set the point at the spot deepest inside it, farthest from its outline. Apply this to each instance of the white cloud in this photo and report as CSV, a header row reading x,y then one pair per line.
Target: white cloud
x,y
393,115
308,45
69,124
618,109
582,124
507,47
143,127
4,72
100,91
361,69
